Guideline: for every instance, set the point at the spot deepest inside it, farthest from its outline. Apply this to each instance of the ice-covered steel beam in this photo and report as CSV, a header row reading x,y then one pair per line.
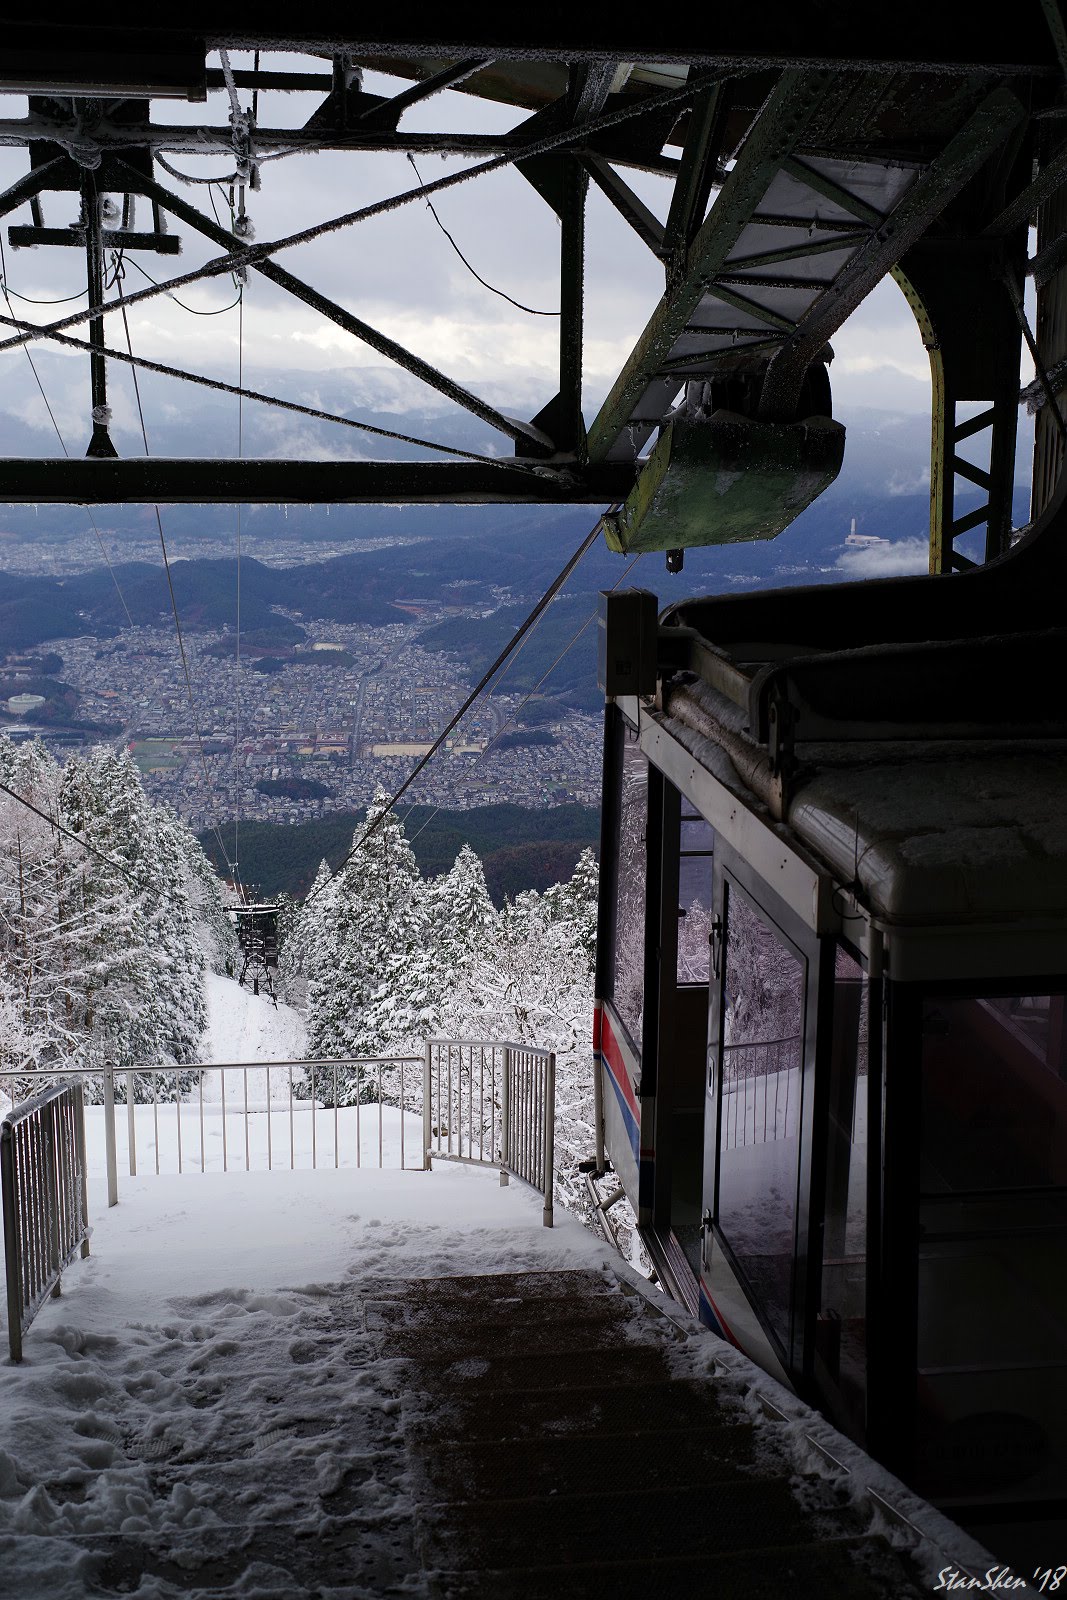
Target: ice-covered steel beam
x,y
199,481
915,34
217,140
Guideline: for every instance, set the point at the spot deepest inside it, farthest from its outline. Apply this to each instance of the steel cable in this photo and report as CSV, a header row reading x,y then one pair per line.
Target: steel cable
x,y
531,620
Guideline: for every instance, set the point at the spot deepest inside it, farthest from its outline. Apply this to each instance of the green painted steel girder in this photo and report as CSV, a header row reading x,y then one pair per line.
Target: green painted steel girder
x,y
725,479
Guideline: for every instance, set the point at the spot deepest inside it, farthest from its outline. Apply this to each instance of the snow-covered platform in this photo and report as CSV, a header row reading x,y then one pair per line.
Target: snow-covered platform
x,y
339,1384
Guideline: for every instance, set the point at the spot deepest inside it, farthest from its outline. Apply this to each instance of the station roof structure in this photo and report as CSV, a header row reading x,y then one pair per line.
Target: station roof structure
x,y
812,150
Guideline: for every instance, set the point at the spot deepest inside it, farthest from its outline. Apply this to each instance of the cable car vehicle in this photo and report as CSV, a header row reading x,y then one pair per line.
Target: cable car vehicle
x,y
829,1045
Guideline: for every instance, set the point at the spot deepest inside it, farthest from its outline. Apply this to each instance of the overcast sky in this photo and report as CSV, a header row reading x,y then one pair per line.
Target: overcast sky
x,y
400,274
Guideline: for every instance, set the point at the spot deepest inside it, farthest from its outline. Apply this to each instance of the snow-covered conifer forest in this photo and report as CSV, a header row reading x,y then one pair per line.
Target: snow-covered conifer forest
x,y
102,955
105,959
383,960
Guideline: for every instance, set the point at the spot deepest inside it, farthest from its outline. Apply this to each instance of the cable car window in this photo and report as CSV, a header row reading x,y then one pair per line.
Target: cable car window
x,y
759,1119
694,897
629,993
841,1327
992,1296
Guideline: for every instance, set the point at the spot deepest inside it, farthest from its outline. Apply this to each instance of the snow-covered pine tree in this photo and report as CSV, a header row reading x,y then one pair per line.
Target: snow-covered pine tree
x,y
143,961
461,924
367,986
534,985
39,975
95,967
575,903
302,938
213,926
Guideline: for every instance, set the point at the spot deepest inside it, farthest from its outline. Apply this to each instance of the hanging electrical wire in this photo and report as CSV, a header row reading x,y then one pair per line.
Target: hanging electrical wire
x,y
35,300
193,310
191,177
209,786
475,274
524,628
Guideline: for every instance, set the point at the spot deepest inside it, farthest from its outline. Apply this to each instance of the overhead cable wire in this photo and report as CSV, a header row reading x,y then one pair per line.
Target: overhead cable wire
x,y
160,367
231,86
250,255
192,310
170,582
62,442
473,272
531,621
591,618
36,300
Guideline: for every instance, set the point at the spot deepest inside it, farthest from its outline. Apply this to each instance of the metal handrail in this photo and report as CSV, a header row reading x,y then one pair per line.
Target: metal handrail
x,y
763,1072
487,1102
45,1206
191,1146
492,1104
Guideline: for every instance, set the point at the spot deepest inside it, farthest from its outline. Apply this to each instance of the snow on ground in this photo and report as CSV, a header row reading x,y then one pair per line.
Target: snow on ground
x,y
242,1026
203,1392
216,1136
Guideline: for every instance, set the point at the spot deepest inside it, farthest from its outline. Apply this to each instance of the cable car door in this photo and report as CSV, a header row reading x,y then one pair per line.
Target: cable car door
x,y
752,1139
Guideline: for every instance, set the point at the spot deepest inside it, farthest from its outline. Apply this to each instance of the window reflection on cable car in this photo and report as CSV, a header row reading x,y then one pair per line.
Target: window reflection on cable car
x,y
630,920
759,1108
841,1325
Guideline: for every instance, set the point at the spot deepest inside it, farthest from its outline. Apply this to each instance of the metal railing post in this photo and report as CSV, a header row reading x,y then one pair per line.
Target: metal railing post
x,y
50,1191
109,1136
505,1114
550,1135
79,1151
11,1242
131,1124
427,1121
42,1186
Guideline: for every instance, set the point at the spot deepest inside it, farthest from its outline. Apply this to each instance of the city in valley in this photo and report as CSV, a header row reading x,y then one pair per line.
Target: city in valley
x,y
292,734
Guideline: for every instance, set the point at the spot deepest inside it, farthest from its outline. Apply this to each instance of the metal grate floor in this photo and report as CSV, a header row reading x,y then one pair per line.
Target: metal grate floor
x,y
553,1454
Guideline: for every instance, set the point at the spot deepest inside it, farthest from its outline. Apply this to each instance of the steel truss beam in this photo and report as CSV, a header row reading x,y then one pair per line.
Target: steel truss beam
x,y
953,287
238,255
179,141
774,34
781,125
197,481
983,133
